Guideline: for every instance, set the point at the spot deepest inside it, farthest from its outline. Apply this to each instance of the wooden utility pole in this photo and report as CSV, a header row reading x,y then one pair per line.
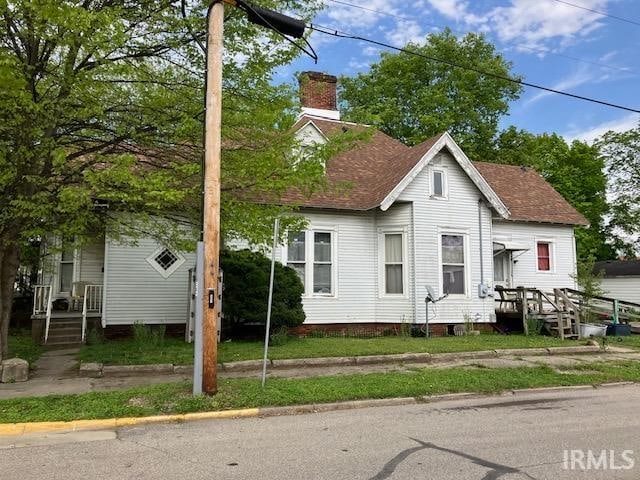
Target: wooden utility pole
x,y
211,225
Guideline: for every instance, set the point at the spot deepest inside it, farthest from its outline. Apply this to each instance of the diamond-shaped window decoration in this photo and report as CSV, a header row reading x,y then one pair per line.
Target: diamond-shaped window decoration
x,y
165,261
166,258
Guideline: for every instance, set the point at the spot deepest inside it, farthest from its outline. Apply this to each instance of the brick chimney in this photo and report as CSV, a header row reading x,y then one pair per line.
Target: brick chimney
x,y
318,94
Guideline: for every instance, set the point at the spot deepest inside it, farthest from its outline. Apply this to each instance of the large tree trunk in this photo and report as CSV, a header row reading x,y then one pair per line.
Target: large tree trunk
x,y
9,261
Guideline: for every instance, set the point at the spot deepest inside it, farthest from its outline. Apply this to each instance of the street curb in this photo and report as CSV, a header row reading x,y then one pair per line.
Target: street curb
x,y
97,370
18,429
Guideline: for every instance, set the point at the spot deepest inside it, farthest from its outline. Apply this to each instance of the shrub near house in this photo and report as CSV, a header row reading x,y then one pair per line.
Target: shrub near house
x,y
246,290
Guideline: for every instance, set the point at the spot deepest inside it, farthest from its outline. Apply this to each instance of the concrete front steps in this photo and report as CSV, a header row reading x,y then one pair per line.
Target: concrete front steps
x,y
65,332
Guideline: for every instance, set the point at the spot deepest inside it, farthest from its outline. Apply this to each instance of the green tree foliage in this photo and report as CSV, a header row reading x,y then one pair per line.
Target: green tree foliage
x,y
101,116
621,153
576,170
411,98
246,280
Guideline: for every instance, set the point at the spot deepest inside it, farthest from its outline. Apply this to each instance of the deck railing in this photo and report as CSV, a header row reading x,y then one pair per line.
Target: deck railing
x,y
92,303
42,303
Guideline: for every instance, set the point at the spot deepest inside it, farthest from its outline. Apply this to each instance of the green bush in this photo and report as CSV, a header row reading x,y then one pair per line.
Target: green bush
x,y
246,290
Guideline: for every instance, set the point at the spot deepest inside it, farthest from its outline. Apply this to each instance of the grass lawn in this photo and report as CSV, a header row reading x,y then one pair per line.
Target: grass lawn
x,y
632,341
21,346
245,392
124,352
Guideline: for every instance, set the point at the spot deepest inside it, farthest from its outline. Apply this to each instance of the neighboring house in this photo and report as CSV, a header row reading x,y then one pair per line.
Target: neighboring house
x,y
621,279
412,218
110,283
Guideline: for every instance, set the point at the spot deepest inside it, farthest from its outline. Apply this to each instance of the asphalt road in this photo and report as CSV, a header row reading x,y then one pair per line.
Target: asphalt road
x,y
522,436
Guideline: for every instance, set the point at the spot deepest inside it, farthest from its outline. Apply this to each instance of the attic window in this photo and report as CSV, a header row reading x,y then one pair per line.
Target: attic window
x,y
438,184
165,261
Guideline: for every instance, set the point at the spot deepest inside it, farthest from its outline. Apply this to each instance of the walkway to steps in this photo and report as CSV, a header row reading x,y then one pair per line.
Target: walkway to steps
x,y
60,376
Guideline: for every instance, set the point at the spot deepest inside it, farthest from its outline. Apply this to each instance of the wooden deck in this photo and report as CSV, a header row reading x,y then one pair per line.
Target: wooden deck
x,y
563,310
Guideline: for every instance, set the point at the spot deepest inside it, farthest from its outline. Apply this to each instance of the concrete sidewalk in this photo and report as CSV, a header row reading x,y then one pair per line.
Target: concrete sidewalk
x,y
60,377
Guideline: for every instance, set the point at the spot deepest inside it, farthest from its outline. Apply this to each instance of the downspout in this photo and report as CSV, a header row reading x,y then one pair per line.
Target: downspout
x,y
480,203
414,262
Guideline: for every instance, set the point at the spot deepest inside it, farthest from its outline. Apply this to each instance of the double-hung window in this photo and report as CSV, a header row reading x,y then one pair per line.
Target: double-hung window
x,y
543,251
312,255
296,254
322,263
66,267
394,263
453,264
438,184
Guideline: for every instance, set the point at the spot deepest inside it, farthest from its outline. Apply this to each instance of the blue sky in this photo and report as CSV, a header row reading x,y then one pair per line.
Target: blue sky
x,y
538,36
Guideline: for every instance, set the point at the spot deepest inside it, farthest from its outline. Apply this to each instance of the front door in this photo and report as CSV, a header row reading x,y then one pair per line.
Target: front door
x,y
502,269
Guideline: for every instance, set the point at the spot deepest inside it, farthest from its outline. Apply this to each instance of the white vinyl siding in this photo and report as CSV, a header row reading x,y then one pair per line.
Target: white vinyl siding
x,y
622,288
525,271
457,215
135,292
91,262
354,261
394,308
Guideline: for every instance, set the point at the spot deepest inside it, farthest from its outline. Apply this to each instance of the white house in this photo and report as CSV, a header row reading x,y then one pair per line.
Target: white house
x,y
621,279
412,218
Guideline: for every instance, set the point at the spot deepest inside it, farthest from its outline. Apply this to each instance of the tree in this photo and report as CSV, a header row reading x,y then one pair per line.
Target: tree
x,y
621,153
575,170
101,116
412,98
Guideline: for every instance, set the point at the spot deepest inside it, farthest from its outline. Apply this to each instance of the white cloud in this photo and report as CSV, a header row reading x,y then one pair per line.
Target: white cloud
x,y
457,10
589,134
371,51
356,64
528,22
448,8
534,22
405,31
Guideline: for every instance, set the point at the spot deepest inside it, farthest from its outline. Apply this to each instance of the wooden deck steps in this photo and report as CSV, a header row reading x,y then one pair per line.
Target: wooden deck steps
x,y
553,324
565,309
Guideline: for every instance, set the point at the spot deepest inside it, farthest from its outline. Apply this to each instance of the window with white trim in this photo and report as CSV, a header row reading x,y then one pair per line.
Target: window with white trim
x,y
312,255
296,254
165,261
394,263
438,184
66,267
453,264
322,263
543,252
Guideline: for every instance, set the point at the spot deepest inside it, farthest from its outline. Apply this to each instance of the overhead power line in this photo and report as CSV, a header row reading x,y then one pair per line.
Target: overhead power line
x,y
341,34
599,12
525,47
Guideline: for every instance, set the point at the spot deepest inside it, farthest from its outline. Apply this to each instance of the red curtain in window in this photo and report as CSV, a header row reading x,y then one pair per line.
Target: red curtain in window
x,y
543,257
